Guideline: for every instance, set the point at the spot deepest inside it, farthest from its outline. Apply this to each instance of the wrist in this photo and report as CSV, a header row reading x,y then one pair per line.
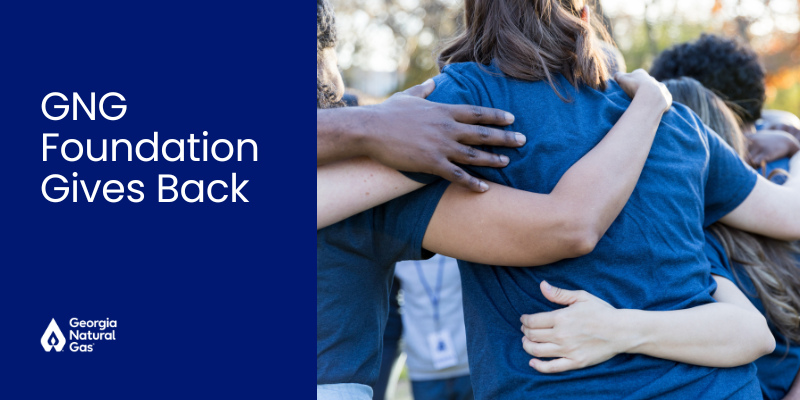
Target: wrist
x,y
352,130
367,132
652,96
631,335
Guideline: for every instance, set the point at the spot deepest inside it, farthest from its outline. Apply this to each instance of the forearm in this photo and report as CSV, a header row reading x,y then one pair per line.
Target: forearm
x,y
711,335
339,134
523,229
597,187
349,187
771,210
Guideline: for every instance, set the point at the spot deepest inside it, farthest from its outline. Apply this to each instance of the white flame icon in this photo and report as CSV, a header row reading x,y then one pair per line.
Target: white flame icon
x,y
53,337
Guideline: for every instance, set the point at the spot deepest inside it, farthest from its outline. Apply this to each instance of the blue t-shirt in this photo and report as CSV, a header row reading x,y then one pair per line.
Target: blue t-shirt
x,y
355,267
651,258
776,371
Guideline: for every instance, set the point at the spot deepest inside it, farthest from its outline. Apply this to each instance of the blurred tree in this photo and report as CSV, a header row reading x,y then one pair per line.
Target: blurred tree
x,y
398,38
407,31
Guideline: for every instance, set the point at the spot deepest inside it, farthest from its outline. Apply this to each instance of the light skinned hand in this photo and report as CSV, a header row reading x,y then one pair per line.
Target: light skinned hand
x,y
578,336
409,133
638,80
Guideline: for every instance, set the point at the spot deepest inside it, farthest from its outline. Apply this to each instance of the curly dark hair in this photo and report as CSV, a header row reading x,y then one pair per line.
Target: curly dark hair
x,y
326,38
728,67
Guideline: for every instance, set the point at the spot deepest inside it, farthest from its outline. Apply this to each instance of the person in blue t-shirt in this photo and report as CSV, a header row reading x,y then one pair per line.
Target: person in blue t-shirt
x,y
356,256
771,263
352,254
534,59
765,269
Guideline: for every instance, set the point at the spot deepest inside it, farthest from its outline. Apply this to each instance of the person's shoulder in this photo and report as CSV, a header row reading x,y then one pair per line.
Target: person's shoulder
x,y
457,73
469,68
681,113
680,118
457,83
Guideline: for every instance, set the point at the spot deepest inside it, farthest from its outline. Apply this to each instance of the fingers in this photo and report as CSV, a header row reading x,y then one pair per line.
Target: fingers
x,y
480,115
455,174
543,320
539,335
422,90
553,366
478,135
756,159
541,350
469,155
561,296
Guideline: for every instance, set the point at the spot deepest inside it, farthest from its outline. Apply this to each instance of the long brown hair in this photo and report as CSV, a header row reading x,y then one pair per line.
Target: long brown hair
x,y
531,40
771,264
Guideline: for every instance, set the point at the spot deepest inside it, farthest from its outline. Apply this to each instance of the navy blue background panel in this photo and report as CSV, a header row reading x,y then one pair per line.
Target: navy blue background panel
x,y
212,300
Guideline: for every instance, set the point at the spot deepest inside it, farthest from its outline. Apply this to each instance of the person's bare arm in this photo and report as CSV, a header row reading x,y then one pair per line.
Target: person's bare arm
x,y
771,210
728,333
515,228
350,187
408,133
566,223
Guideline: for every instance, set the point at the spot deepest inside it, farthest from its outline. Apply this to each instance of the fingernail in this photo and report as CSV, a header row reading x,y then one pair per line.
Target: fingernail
x,y
429,81
509,117
484,187
504,159
547,286
521,139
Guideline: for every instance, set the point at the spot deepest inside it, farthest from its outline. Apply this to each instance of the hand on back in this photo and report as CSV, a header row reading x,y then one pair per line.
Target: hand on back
x,y
578,336
640,81
409,133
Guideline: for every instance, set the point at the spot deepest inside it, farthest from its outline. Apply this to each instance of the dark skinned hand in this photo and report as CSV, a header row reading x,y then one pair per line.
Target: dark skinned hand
x,y
409,133
770,145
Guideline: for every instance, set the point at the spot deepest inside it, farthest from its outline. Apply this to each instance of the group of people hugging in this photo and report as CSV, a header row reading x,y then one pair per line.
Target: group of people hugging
x,y
619,235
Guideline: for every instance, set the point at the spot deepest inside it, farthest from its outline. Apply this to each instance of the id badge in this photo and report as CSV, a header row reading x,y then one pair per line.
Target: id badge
x,y
442,350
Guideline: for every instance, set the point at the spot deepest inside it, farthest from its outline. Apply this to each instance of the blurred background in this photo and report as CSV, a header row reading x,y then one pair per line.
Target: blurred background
x,y
389,45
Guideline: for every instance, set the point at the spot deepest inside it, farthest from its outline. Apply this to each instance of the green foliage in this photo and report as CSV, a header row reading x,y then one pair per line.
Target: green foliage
x,y
786,99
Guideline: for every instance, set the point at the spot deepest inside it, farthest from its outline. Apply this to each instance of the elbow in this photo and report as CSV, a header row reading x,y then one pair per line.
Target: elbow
x,y
764,341
770,344
768,338
584,240
578,230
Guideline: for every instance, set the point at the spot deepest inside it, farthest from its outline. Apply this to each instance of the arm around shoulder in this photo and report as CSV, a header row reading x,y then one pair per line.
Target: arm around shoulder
x,y
349,187
511,227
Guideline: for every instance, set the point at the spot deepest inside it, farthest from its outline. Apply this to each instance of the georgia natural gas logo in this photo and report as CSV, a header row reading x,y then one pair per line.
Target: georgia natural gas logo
x,y
80,340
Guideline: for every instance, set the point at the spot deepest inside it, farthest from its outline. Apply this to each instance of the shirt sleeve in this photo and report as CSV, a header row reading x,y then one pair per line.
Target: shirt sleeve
x,y
419,177
729,181
401,223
